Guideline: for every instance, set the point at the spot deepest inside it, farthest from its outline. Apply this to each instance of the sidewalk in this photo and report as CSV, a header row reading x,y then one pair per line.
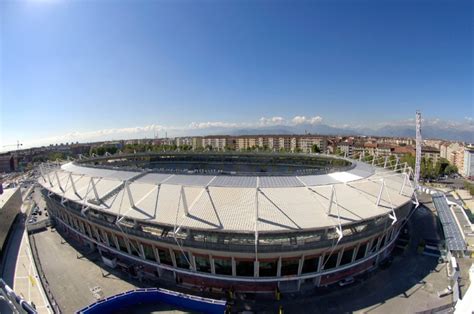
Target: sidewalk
x,y
26,281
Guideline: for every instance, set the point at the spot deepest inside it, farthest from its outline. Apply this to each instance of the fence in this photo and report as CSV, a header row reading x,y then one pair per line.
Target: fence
x,y
152,296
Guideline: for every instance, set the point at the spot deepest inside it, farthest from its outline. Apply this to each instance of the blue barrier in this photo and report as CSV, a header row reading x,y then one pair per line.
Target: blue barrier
x,y
155,295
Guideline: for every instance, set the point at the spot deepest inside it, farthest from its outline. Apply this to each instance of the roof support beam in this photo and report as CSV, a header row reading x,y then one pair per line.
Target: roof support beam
x,y
59,182
405,175
331,199
182,195
96,194
74,185
379,197
129,193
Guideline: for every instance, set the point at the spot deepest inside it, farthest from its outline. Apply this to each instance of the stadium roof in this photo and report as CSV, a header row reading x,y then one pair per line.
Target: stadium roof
x,y
232,203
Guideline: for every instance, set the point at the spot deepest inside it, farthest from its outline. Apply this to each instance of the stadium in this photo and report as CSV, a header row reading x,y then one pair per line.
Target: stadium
x,y
250,222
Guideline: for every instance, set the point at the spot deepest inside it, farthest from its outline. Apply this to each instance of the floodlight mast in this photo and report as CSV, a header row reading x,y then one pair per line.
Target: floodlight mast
x,y
418,149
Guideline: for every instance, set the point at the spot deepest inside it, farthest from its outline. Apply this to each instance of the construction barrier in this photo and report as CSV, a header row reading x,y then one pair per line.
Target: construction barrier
x,y
155,295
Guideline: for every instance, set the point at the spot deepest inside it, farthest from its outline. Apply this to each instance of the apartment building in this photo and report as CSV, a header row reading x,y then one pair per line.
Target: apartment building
x,y
306,144
184,141
219,143
429,152
468,170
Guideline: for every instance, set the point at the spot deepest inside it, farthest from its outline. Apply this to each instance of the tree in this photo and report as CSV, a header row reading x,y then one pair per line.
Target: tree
x,y
315,148
450,169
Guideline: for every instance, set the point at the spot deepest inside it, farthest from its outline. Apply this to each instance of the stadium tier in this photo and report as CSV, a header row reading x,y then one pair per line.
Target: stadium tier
x,y
247,222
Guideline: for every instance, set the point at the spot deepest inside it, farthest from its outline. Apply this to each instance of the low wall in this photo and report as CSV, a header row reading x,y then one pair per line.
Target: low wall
x,y
154,295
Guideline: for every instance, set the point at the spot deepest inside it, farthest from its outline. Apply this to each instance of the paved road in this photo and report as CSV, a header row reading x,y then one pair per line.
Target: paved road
x,y
408,285
71,275
11,256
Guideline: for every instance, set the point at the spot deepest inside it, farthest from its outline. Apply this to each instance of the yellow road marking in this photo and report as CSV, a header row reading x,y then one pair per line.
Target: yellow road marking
x,y
32,280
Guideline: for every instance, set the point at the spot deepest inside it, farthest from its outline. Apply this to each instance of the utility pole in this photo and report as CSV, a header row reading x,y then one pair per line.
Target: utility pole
x,y
418,149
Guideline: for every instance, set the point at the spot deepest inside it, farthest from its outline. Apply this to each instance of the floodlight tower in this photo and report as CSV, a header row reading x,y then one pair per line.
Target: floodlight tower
x,y
418,149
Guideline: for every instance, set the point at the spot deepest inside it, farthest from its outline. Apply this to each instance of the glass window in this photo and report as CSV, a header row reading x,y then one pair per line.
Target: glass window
x,y
202,263
244,268
268,268
347,256
149,254
330,261
223,266
165,257
361,251
289,267
181,259
310,265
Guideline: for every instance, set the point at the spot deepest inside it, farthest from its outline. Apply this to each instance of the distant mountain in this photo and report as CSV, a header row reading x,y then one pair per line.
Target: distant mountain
x,y
465,134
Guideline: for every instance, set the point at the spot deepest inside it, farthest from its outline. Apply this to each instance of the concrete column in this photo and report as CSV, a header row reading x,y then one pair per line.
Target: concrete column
x,y
157,256
300,265
256,266
142,251
354,253
234,267
173,258
279,267
320,263
339,256
213,266
116,242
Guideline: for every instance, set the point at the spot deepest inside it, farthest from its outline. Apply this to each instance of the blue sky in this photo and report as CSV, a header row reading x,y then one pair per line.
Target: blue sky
x,y
72,68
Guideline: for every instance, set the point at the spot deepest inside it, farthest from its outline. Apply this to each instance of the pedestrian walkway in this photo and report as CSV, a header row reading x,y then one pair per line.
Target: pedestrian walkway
x,y
26,281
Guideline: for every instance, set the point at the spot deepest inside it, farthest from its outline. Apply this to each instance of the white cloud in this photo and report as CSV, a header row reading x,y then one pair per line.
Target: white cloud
x,y
215,124
272,121
304,120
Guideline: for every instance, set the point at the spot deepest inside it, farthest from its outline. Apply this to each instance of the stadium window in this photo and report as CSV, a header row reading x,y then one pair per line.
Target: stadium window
x,y
202,263
182,261
361,251
268,268
244,268
346,257
165,257
330,261
148,250
289,267
310,265
223,266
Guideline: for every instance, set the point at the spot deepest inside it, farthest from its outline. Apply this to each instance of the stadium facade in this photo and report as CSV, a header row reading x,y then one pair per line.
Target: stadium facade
x,y
220,227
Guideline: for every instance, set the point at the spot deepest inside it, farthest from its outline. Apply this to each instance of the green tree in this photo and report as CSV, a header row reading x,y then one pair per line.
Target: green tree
x,y
450,169
315,148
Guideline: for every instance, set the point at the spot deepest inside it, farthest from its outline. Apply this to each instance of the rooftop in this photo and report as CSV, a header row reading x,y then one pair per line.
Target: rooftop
x,y
232,203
